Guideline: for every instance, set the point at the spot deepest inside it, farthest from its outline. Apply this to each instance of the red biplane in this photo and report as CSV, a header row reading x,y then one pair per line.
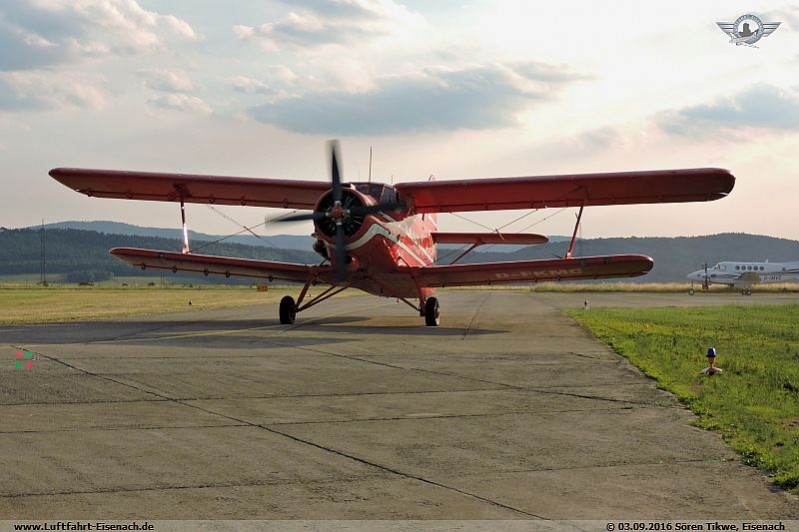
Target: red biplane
x,y
382,239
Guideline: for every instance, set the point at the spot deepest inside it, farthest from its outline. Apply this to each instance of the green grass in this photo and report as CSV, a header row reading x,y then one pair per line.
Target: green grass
x,y
754,403
662,288
36,304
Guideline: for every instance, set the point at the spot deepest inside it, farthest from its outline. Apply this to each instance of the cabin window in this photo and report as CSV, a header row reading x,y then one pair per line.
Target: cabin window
x,y
762,268
736,267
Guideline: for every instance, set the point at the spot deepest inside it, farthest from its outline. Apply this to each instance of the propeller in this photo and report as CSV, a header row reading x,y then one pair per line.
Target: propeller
x,y
337,212
340,212
706,284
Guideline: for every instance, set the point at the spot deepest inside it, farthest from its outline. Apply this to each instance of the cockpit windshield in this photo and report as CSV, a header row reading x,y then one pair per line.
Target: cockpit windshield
x,y
380,192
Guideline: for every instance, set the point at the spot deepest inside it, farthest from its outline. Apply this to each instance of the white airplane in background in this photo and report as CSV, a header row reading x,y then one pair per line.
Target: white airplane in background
x,y
743,275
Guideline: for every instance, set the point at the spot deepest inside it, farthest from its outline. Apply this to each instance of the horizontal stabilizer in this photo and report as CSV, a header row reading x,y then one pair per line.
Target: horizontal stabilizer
x,y
518,239
535,270
212,264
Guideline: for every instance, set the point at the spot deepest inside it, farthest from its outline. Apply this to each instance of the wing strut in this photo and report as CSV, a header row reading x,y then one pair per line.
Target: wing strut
x,y
574,235
466,252
328,293
186,248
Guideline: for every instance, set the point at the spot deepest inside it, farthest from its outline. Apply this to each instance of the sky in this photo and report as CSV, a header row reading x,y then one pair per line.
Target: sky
x,y
458,89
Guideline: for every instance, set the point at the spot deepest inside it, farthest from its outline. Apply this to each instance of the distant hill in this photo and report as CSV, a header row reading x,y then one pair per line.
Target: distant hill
x,y
72,251
82,254
299,242
119,228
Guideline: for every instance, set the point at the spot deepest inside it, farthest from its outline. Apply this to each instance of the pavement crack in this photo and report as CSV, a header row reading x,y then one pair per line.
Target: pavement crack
x,y
401,473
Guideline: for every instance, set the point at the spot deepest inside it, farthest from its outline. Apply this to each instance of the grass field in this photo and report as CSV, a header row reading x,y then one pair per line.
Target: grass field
x,y
658,288
754,403
66,303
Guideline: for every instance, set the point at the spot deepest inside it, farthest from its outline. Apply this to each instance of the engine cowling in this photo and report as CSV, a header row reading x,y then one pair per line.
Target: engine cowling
x,y
349,222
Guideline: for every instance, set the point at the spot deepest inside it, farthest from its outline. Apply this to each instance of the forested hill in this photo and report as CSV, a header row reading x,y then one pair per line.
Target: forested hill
x,y
84,254
674,257
73,250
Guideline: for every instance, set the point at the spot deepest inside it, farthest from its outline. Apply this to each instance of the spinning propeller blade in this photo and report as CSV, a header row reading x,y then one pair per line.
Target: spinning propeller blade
x,y
339,214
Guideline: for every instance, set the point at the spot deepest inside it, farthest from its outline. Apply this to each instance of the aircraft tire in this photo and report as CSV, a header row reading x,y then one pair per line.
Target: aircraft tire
x,y
431,312
288,310
691,291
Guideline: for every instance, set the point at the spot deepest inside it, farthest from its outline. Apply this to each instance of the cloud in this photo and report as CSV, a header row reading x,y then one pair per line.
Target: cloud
x,y
757,107
365,10
167,80
249,85
547,73
788,15
481,97
40,33
331,22
180,102
40,91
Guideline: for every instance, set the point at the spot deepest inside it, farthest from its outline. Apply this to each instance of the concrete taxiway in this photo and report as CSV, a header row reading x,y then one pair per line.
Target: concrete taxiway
x,y
509,410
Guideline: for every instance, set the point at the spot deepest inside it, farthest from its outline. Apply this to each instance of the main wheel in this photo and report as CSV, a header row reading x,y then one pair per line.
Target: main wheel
x,y
288,310
431,312
691,291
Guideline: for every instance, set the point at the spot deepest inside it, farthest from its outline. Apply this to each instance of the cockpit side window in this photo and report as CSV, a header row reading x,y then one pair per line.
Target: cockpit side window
x,y
388,195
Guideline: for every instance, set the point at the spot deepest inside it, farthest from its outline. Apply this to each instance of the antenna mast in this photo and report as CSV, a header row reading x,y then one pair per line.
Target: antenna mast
x,y
370,164
43,260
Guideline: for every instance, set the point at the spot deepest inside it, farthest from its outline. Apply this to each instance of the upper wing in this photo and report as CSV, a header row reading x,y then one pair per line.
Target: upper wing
x,y
211,264
282,193
662,186
533,270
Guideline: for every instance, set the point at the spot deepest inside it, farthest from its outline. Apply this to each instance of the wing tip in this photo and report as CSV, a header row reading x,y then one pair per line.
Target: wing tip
x,y
58,173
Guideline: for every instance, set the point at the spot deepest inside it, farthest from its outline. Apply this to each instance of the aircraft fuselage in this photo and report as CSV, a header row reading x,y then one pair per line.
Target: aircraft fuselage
x,y
379,245
744,275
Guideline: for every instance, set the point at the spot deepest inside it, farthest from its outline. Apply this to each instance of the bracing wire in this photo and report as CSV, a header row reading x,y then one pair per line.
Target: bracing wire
x,y
246,229
226,217
497,230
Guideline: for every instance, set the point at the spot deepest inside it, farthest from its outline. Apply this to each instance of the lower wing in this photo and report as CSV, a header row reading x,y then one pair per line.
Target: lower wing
x,y
533,270
749,277
211,264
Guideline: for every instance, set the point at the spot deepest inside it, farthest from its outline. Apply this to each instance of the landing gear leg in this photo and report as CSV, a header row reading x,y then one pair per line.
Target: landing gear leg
x,y
431,312
288,310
